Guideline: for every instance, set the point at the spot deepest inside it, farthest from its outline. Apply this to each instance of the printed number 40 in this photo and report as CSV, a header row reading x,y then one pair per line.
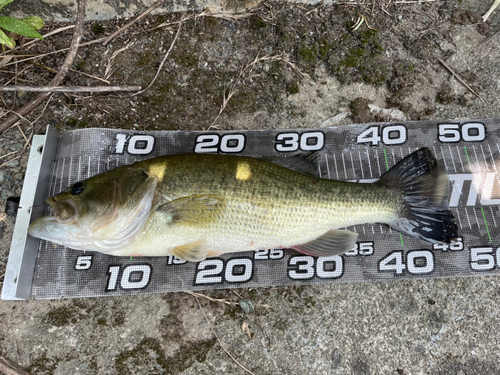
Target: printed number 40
x,y
390,135
418,262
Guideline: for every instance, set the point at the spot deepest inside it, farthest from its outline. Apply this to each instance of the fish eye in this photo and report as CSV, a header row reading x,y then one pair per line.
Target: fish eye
x,y
77,188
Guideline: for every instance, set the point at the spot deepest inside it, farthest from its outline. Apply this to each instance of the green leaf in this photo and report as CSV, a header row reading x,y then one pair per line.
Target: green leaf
x,y
4,39
35,22
4,3
18,27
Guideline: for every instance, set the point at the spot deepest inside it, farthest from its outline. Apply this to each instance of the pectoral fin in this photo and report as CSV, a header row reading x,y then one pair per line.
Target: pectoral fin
x,y
192,252
333,242
191,209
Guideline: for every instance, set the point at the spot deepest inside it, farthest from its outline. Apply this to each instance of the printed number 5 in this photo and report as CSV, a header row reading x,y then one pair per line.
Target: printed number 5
x,y
83,262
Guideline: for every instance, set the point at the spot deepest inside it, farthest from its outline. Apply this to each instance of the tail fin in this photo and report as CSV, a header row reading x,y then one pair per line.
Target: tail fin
x,y
425,188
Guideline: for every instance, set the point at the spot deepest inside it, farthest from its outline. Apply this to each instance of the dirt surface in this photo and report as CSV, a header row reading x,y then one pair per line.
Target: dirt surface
x,y
283,66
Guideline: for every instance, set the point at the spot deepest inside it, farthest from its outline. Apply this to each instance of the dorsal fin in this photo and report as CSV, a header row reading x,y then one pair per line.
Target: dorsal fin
x,y
302,163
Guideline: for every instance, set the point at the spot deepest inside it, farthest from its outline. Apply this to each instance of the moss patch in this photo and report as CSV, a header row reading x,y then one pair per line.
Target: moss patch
x,y
61,316
43,365
148,357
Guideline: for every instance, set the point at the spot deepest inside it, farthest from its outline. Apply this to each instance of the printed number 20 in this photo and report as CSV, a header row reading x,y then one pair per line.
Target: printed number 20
x,y
228,143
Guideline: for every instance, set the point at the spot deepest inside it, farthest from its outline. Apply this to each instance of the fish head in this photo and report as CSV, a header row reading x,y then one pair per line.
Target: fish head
x,y
102,213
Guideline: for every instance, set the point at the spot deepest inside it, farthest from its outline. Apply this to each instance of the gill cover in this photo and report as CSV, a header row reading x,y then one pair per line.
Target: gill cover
x,y
102,213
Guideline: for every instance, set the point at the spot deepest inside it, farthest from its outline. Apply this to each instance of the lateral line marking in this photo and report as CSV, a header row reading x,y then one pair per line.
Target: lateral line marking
x,y
486,224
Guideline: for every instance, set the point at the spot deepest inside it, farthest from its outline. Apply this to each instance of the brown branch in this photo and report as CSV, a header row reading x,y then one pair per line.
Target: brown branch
x,y
70,57
10,368
120,30
459,79
163,61
70,89
218,339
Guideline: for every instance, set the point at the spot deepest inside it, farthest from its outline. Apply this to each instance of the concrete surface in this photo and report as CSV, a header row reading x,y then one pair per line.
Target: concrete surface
x,y
447,326
64,10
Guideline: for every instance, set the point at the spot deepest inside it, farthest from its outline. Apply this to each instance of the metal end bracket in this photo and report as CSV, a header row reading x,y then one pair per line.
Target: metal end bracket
x,y
23,250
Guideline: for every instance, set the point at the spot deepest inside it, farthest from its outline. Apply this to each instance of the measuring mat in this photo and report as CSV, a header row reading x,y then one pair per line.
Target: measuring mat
x,y
469,150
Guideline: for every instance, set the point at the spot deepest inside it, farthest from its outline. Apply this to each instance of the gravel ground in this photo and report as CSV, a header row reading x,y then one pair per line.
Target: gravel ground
x,y
413,327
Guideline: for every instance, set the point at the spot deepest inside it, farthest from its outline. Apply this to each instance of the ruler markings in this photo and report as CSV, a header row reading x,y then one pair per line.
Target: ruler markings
x,y
486,224
54,176
493,216
468,219
475,214
369,162
471,155
79,167
62,173
460,157
361,165
386,162
484,157
444,159
468,159
378,163
452,159
70,177
477,159
353,167
327,166
457,214
345,169
493,160
336,169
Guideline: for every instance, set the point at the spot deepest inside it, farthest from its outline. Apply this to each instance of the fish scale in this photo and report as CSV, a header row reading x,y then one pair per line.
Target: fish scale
x,y
275,207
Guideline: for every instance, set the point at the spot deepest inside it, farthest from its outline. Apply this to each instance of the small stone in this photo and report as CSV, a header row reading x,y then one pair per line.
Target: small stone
x,y
15,147
13,164
246,306
12,205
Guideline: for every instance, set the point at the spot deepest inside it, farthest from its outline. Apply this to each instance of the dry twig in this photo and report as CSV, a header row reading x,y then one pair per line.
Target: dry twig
x,y
269,57
490,11
70,88
218,339
163,61
70,57
218,300
460,79
144,14
8,367
34,57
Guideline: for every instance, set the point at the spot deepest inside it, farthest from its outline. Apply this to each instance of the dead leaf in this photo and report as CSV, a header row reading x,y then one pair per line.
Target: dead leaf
x,y
5,60
245,328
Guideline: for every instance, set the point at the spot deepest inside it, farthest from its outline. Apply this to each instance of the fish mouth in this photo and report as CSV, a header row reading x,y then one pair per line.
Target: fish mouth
x,y
65,211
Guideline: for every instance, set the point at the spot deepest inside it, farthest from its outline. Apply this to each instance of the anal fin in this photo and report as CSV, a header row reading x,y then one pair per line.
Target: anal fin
x,y
333,242
191,252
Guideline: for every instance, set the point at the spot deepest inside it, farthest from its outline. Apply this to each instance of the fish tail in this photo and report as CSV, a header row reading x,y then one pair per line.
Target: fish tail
x,y
425,189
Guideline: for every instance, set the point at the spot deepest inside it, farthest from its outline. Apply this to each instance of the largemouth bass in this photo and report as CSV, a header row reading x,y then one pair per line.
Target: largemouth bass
x,y
195,206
